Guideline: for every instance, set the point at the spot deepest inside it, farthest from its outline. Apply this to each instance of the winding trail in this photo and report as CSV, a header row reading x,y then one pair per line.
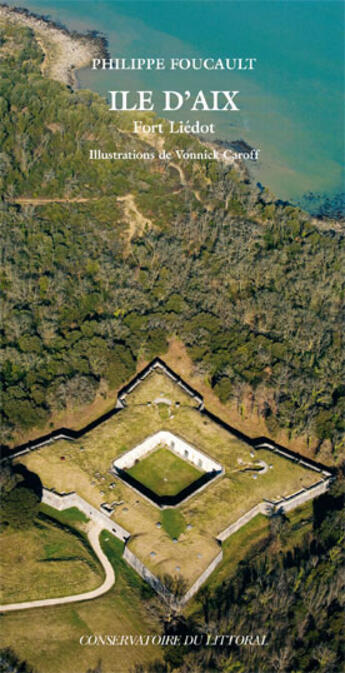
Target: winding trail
x,y
109,580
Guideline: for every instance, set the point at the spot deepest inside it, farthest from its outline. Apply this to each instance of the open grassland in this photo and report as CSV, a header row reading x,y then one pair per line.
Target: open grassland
x,y
49,637
164,472
249,477
45,561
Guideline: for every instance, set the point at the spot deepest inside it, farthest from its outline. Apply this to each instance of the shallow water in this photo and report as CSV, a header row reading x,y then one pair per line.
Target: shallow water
x,y
291,104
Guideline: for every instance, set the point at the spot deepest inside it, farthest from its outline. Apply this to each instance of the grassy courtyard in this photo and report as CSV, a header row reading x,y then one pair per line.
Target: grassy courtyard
x,y
164,472
249,476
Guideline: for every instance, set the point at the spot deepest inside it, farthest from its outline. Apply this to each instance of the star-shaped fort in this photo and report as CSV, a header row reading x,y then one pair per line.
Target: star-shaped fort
x,y
172,480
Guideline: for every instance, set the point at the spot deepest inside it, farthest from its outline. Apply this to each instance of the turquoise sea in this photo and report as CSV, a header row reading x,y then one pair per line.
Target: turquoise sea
x,y
292,104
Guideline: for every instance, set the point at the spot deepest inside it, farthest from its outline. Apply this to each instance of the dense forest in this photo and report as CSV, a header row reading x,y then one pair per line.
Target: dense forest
x,y
103,261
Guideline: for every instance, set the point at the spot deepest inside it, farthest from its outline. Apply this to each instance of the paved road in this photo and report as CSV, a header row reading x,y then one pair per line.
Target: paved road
x,y
93,536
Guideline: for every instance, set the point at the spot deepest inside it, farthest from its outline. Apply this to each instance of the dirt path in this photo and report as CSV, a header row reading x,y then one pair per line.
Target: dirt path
x,y
109,580
180,172
136,220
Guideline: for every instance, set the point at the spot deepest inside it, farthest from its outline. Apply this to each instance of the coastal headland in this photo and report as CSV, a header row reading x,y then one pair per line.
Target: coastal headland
x,y
64,51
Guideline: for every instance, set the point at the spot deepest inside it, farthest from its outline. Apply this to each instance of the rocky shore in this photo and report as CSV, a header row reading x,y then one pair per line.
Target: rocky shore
x,y
64,51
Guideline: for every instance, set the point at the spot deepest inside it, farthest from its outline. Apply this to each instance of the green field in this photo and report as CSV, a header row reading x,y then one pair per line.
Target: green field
x,y
164,472
173,522
48,638
72,516
45,561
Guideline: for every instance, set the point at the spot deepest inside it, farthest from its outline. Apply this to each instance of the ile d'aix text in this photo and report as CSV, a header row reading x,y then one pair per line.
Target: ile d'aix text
x,y
142,101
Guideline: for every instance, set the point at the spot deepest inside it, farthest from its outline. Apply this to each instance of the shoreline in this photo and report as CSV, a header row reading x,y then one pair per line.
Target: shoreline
x,y
64,51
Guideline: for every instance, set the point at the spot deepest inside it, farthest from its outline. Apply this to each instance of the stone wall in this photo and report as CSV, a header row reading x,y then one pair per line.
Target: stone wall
x,y
294,457
36,444
286,504
203,577
144,572
176,444
61,502
157,585
157,363
268,507
261,508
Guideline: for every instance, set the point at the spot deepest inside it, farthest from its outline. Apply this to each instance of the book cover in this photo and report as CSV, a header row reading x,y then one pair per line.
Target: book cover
x,y
173,399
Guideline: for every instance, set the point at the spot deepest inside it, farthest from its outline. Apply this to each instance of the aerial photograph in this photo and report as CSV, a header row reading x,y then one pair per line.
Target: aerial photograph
x,y
172,465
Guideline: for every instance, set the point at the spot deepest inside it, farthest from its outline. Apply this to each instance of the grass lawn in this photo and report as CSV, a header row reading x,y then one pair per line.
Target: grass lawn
x,y
71,516
173,522
164,472
113,548
45,561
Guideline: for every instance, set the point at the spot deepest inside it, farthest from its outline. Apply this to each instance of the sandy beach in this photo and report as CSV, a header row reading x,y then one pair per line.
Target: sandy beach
x,y
64,52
